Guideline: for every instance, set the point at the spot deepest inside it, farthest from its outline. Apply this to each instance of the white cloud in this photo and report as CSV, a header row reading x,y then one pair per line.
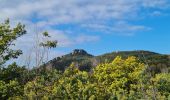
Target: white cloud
x,y
156,13
120,28
156,3
86,38
88,14
71,11
48,13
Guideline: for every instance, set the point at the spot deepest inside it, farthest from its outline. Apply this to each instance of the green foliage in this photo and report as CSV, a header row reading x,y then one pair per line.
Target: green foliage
x,y
45,34
41,86
48,43
7,36
162,83
10,90
120,74
122,79
13,72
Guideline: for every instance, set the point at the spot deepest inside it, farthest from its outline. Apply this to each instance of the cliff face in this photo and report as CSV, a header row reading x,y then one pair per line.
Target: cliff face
x,y
79,52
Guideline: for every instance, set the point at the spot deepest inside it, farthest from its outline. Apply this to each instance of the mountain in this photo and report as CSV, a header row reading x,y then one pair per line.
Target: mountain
x,y
78,56
85,61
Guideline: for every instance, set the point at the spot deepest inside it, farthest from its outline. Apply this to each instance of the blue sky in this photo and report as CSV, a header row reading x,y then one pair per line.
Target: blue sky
x,y
98,26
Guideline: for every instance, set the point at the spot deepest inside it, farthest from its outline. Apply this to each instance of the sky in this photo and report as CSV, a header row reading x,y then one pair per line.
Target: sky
x,y
98,26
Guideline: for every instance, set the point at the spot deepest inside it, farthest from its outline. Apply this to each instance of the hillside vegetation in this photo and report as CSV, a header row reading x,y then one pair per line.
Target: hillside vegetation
x,y
85,61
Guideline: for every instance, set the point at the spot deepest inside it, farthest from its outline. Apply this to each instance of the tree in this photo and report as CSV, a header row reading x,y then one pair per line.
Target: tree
x,y
72,85
47,44
119,77
7,36
43,43
10,90
162,83
41,86
12,72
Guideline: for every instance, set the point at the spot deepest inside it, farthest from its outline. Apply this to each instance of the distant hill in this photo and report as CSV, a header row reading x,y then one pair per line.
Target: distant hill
x,y
85,61
78,56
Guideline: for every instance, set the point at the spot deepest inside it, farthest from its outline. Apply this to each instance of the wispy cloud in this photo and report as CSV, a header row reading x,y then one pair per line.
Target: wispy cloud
x,y
110,16
86,38
120,28
72,11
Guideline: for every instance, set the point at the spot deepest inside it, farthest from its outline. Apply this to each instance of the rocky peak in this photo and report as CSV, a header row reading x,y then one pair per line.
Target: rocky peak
x,y
79,52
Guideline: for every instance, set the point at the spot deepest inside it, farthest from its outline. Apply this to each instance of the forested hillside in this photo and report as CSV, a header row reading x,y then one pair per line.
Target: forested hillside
x,y
86,62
